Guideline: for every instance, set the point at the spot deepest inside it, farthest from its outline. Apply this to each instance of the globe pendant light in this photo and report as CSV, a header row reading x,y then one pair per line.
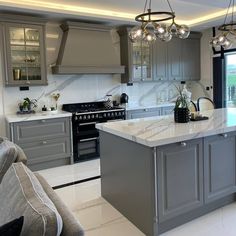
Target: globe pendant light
x,y
152,26
227,30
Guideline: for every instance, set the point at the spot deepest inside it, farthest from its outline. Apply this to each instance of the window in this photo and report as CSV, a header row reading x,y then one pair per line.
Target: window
x,y
230,85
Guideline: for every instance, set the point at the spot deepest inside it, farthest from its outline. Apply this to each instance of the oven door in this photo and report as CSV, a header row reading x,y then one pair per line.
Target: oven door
x,y
86,141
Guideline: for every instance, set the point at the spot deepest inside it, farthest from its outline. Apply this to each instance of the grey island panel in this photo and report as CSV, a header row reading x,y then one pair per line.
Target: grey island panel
x,y
220,166
128,179
180,178
160,188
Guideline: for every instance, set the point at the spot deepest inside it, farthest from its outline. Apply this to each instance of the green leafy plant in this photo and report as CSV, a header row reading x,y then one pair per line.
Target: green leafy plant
x,y
182,100
28,104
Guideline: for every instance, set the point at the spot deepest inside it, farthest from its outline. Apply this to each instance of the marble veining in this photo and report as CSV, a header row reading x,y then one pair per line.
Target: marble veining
x,y
156,131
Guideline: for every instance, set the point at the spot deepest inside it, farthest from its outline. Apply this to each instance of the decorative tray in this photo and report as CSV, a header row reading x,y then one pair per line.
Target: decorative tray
x,y
25,112
198,118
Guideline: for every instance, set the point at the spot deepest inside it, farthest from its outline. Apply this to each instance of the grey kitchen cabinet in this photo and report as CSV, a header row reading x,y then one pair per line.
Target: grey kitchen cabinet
x,y
180,178
167,110
191,58
24,53
136,57
219,166
174,52
177,60
159,61
142,113
149,112
46,143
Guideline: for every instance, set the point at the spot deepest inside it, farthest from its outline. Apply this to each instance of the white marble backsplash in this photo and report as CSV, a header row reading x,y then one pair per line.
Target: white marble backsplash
x,y
87,88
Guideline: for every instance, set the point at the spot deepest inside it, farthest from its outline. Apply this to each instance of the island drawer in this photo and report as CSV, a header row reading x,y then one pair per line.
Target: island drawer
x,y
29,131
48,151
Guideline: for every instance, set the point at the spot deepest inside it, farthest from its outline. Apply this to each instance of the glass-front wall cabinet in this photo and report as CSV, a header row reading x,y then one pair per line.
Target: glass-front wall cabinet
x,y
141,61
25,53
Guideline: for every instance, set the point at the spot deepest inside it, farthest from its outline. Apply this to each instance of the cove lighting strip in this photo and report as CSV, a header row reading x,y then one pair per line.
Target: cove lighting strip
x,y
85,11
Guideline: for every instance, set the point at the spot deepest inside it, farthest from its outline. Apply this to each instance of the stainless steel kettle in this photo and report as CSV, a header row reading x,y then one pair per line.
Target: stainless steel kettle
x,y
124,98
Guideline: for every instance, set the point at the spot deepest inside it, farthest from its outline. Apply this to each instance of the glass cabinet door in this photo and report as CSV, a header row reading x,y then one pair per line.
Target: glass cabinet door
x,y
25,59
141,61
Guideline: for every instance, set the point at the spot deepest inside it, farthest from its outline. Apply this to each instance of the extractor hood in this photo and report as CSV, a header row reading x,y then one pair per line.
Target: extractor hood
x,y
87,49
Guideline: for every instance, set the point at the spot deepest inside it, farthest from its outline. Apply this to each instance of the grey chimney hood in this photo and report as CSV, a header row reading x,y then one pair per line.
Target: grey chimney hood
x,y
87,49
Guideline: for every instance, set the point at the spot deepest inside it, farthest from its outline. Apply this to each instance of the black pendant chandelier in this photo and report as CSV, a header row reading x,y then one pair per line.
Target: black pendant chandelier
x,y
227,30
153,27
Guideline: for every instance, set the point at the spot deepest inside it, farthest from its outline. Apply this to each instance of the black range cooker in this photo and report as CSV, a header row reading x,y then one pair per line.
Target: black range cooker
x,y
84,118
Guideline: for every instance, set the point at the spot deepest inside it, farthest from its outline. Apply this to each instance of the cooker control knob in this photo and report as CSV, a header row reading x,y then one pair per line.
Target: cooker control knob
x,y
92,116
84,117
88,117
108,114
112,114
80,117
97,116
76,118
104,115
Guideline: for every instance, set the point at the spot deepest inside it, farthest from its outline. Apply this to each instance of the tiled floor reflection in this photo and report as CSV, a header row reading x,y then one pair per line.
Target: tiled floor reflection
x,y
99,218
70,173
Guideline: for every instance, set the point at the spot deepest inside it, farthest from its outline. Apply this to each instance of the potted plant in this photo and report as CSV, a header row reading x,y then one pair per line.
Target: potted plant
x,y
27,105
181,110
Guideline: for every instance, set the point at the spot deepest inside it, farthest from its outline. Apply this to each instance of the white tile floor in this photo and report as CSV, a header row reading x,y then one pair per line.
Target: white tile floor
x,y
99,218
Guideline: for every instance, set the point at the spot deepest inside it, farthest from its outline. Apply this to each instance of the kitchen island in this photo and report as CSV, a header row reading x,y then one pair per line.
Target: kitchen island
x,y
161,174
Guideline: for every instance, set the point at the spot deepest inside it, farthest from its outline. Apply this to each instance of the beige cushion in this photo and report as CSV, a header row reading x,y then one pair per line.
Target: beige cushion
x,y
22,195
71,226
20,155
8,155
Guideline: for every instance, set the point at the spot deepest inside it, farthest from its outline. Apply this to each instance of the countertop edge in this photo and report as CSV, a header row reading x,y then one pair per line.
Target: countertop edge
x,y
13,118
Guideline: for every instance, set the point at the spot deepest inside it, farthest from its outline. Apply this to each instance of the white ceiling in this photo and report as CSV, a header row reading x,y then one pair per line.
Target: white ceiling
x,y
193,12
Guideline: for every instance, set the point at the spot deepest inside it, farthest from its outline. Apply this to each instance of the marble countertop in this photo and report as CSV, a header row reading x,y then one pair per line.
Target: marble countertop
x,y
37,116
161,130
130,107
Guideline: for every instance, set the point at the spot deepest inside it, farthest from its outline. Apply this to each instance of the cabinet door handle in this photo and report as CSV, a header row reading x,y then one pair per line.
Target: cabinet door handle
x,y
43,121
145,109
224,135
44,142
27,82
183,144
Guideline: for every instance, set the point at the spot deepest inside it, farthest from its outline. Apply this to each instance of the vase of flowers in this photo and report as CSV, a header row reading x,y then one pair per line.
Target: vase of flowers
x,y
55,96
181,110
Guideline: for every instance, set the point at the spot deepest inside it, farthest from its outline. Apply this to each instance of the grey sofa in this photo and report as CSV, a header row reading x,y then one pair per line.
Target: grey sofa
x,y
24,193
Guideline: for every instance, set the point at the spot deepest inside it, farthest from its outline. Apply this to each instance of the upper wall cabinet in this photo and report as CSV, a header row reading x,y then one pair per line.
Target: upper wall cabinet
x,y
24,54
159,61
178,59
191,58
136,57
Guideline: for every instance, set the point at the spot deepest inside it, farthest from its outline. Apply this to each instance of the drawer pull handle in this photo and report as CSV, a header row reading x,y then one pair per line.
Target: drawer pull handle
x,y
183,144
44,142
224,135
43,121
145,109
